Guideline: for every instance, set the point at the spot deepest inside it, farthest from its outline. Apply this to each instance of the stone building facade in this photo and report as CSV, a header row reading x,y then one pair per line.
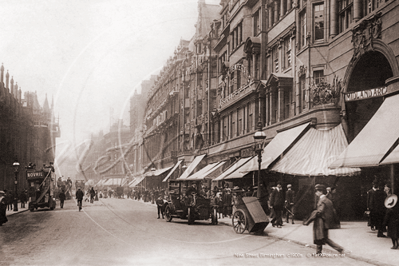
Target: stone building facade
x,y
322,67
28,132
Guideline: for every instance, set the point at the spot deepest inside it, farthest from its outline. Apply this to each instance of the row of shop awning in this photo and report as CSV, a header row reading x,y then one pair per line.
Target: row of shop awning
x,y
302,151
306,151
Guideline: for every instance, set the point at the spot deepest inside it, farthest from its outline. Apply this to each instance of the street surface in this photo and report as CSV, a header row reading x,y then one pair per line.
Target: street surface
x,y
127,232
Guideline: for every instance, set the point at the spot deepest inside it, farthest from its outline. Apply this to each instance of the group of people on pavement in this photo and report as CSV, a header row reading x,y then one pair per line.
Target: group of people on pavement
x,y
7,201
383,212
281,202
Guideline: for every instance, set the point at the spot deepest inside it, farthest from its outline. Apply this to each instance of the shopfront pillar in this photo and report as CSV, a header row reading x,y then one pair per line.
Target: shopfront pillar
x,y
392,178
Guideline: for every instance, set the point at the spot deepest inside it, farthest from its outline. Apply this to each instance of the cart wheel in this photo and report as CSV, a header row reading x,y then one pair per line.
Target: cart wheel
x,y
239,222
190,216
168,215
214,217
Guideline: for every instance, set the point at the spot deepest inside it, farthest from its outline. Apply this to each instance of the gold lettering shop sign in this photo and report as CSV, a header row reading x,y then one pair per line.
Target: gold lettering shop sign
x,y
366,94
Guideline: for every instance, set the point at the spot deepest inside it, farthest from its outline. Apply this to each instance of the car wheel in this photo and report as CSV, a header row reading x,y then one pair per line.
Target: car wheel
x,y
168,215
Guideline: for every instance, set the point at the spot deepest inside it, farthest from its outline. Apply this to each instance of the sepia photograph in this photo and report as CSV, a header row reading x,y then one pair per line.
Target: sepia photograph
x,y
199,132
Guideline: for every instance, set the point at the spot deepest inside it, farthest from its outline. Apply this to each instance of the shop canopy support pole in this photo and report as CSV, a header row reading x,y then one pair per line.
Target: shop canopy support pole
x,y
392,178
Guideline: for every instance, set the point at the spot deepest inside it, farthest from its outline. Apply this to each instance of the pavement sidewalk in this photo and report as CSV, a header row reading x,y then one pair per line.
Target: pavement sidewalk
x,y
358,240
9,212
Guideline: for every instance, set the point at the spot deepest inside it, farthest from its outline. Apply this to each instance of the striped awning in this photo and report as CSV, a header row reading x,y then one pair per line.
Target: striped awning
x,y
172,171
191,167
137,181
275,148
206,171
375,140
161,171
231,169
113,182
314,152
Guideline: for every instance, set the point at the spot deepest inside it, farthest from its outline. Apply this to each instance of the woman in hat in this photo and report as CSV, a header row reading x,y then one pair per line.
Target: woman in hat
x,y
3,208
391,219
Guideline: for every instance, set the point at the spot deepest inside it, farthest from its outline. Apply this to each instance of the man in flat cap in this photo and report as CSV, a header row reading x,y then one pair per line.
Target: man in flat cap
x,y
323,219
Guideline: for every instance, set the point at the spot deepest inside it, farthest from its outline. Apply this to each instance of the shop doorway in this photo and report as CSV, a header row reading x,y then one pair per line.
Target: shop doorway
x,y
371,71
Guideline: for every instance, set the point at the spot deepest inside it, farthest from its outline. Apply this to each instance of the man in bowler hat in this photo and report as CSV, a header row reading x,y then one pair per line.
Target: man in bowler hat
x,y
277,204
377,208
323,219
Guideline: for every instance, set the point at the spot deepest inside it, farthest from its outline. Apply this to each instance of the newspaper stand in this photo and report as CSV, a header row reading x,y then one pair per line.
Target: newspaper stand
x,y
248,215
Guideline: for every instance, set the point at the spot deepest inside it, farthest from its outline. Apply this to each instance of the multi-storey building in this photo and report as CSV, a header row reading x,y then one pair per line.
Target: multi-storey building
x,y
311,74
28,132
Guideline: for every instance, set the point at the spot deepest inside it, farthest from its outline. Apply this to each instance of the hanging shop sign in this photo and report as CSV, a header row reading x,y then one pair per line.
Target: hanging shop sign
x,y
366,94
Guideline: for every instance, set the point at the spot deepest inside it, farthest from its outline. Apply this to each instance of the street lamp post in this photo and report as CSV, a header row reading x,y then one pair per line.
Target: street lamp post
x,y
259,137
16,171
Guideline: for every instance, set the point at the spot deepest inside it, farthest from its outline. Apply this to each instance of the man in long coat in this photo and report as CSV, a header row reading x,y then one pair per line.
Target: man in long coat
x,y
3,208
323,219
377,208
289,202
61,196
277,204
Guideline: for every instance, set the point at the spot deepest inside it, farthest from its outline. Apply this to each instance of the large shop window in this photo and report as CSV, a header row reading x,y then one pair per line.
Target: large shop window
x,y
345,14
318,13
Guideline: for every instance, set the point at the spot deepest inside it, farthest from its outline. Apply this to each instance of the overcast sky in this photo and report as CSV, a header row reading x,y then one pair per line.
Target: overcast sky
x,y
90,55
